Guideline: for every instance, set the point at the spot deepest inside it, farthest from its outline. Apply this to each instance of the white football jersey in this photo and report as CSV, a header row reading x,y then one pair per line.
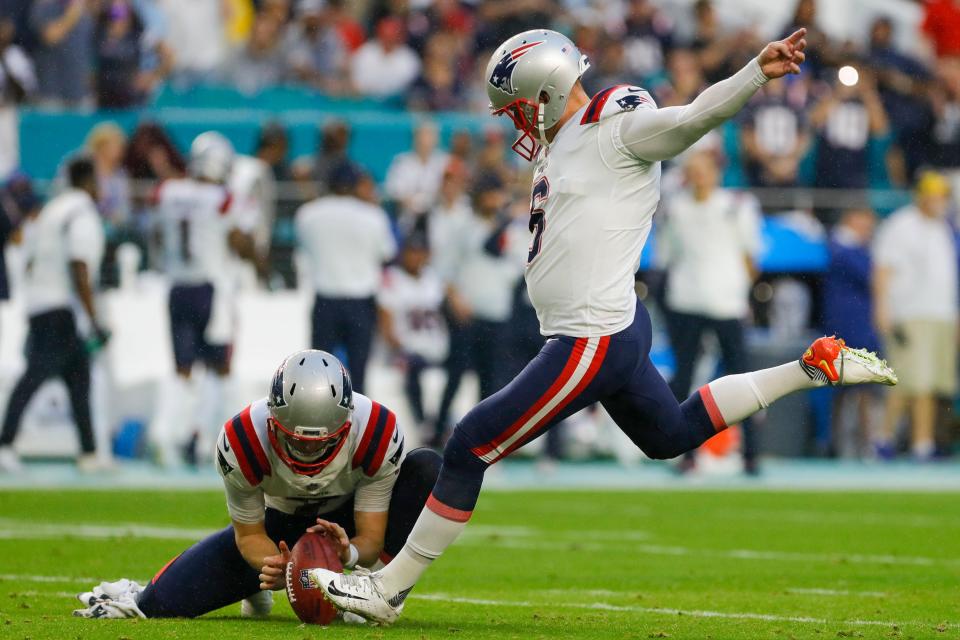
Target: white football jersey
x,y
68,228
195,223
365,468
415,305
595,190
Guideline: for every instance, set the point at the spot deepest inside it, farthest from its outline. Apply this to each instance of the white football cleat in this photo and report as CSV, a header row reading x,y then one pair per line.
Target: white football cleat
x,y
259,605
111,600
359,593
829,361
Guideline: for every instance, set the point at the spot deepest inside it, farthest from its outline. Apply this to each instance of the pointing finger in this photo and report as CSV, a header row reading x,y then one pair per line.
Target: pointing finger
x,y
796,36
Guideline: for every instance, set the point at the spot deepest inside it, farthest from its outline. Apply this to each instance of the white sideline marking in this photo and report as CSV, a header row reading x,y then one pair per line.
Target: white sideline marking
x,y
694,613
43,594
855,517
19,529
16,577
741,554
836,592
594,606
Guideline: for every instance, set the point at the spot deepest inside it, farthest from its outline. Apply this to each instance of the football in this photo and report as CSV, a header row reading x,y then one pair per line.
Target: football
x,y
312,551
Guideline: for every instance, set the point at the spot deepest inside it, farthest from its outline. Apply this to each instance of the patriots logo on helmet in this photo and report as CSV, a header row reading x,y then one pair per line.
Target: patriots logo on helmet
x,y
346,399
630,101
502,76
276,390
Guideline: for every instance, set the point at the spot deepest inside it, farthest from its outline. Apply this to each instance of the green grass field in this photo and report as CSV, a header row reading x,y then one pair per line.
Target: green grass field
x,y
609,564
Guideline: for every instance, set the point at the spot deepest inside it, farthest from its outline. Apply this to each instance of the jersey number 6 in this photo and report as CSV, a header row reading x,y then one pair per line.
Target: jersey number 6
x,y
538,221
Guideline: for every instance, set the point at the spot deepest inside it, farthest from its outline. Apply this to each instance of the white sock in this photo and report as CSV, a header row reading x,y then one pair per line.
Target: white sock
x,y
209,412
740,396
174,417
431,535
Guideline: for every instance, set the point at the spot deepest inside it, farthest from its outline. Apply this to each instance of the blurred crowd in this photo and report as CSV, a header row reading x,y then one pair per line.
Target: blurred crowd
x,y
887,112
430,261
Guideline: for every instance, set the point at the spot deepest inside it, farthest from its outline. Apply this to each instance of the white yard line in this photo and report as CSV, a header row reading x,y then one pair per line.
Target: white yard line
x,y
591,606
740,554
11,528
835,592
851,517
693,613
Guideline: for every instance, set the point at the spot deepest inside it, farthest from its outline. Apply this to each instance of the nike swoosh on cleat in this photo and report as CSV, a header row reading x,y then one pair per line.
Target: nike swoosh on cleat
x,y
333,591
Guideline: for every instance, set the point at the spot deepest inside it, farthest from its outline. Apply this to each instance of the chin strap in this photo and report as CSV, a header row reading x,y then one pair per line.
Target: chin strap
x,y
542,134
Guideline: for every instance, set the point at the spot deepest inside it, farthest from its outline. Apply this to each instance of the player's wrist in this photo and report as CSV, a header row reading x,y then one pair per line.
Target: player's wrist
x,y
353,556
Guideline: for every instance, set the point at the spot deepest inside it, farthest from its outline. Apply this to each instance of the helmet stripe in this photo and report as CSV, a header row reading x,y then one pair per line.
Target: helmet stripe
x,y
361,451
519,51
251,433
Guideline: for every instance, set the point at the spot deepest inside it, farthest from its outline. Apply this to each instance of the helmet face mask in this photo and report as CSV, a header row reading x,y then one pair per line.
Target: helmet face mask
x,y
525,116
303,452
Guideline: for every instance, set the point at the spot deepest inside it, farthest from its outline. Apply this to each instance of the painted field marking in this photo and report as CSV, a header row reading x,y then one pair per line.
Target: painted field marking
x,y
835,592
852,517
693,613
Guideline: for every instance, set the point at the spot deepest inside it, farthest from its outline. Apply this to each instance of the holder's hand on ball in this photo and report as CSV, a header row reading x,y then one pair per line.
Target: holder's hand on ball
x,y
271,575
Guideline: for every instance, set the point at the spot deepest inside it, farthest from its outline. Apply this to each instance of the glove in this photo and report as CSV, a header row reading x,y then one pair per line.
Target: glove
x,y
97,340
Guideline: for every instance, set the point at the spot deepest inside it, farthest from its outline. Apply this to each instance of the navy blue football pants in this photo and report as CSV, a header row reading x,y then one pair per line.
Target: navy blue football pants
x,y
212,574
347,323
567,375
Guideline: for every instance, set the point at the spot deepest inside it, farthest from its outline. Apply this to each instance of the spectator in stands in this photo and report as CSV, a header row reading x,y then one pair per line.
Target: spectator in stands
x,y
648,38
64,247
710,240
945,133
385,66
492,156
902,83
610,68
685,80
261,63
484,270
775,136
411,321
151,155
719,52
65,54
414,177
106,145
848,312
351,32
316,52
820,50
345,242
915,311
17,82
197,36
846,119
438,87
500,19
941,24
119,47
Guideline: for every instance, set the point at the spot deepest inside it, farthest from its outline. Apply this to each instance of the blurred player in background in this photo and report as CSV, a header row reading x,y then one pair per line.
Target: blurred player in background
x,y
410,307
346,241
595,189
63,249
311,456
710,239
482,270
200,232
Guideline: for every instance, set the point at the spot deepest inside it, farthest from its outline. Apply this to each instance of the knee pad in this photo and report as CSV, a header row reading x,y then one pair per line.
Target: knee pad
x,y
422,464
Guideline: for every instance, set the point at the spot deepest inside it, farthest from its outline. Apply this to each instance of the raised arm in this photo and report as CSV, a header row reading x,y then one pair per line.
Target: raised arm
x,y
661,134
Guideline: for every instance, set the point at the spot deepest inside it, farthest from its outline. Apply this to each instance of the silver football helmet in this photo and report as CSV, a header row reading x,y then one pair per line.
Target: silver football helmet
x,y
211,157
311,403
523,69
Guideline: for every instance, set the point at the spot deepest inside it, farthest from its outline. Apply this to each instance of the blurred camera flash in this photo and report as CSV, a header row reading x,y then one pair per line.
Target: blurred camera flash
x,y
848,76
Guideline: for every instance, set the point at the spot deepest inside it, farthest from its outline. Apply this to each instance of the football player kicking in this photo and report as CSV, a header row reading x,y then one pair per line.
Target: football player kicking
x,y
312,455
595,190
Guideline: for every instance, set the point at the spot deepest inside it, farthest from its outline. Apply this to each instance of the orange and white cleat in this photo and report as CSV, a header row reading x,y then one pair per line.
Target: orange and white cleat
x,y
829,361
